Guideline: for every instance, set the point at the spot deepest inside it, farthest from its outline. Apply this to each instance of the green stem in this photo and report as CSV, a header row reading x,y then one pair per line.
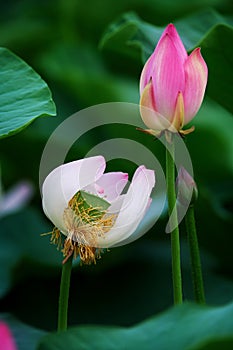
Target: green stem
x,y
175,239
64,294
195,256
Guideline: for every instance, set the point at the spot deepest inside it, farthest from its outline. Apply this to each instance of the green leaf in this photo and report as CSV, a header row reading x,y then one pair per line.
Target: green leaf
x,y
216,344
132,36
25,337
179,328
218,54
24,96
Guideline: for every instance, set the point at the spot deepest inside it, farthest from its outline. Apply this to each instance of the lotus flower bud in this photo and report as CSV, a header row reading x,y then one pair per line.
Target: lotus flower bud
x,y
172,85
187,192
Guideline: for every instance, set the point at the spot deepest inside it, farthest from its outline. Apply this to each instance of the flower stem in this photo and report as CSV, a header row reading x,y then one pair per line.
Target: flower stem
x,y
175,239
64,294
198,285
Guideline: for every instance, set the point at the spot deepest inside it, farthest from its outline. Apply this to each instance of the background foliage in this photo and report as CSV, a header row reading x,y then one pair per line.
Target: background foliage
x,y
92,52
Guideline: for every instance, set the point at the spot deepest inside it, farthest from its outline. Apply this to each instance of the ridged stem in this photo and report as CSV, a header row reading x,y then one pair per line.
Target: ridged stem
x,y
175,239
197,278
64,294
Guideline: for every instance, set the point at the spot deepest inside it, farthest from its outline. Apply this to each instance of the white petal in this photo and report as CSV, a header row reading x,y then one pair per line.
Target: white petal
x,y
64,181
137,232
132,209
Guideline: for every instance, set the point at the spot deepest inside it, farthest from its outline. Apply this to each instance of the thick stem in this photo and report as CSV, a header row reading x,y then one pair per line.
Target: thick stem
x,y
64,294
175,239
195,256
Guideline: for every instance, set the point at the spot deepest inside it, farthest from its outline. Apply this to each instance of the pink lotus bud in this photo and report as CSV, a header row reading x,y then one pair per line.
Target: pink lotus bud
x,y
172,84
6,339
187,192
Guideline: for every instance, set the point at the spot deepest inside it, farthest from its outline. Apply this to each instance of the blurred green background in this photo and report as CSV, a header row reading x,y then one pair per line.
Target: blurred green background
x,y
69,45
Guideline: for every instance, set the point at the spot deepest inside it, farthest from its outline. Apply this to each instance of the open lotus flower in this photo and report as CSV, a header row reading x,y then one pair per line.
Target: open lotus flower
x,y
172,85
88,207
6,339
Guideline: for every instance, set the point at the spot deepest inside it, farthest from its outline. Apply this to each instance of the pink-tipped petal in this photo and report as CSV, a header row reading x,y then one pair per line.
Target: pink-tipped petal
x,y
6,339
146,73
196,74
151,64
109,186
64,181
113,184
152,119
168,77
173,34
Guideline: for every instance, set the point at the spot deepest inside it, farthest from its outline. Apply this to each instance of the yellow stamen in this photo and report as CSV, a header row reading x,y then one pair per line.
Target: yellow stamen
x,y
85,224
56,237
69,248
87,254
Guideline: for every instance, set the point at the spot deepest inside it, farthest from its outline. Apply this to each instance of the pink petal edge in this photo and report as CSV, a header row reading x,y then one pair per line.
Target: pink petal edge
x,y
196,74
168,77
